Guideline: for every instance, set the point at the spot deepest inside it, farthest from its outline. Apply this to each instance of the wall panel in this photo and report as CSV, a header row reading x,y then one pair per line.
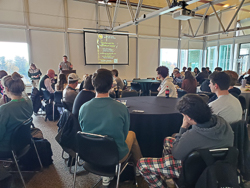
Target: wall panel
x,y
46,13
11,12
47,49
148,57
81,15
12,35
169,26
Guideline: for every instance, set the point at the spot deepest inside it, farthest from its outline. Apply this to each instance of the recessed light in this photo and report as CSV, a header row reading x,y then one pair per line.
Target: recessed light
x,y
226,5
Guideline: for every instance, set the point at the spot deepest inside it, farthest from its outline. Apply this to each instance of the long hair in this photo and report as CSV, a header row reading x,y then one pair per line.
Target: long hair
x,y
62,81
189,76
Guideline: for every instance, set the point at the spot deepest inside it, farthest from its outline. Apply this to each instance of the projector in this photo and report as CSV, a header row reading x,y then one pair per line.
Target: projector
x,y
183,14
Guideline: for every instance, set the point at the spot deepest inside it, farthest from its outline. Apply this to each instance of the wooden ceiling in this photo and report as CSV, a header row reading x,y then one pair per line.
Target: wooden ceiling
x,y
228,4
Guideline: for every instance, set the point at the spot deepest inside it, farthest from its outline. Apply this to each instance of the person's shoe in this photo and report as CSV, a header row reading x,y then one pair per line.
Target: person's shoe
x,y
106,180
137,172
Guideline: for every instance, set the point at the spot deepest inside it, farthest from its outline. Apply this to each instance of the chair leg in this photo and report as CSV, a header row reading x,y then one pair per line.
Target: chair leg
x,y
245,114
118,174
53,110
41,165
18,169
74,181
65,158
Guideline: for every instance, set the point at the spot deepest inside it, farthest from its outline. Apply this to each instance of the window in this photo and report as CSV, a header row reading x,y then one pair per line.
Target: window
x,y
14,58
212,57
194,58
224,56
169,58
184,58
243,60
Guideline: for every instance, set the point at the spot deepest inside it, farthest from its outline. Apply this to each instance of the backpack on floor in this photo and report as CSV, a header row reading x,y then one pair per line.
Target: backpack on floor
x,y
220,173
30,160
36,100
36,133
49,112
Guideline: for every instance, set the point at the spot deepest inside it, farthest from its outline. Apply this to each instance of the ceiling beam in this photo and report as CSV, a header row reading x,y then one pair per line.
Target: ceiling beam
x,y
152,15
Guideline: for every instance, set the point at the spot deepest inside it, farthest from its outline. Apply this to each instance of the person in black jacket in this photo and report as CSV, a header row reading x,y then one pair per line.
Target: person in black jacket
x,y
202,75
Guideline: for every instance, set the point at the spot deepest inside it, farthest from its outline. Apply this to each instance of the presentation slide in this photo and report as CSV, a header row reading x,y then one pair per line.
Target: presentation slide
x,y
105,49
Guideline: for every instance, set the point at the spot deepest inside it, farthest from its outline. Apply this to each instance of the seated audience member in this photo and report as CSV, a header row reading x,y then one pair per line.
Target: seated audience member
x,y
84,96
178,78
226,106
190,70
13,113
205,85
232,90
183,71
202,75
189,84
2,74
3,99
69,93
196,71
46,84
34,74
83,80
208,132
119,82
246,76
208,71
218,69
61,85
109,118
166,82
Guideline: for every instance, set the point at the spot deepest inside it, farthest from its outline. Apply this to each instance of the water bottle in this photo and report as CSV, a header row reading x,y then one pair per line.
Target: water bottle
x,y
243,83
167,92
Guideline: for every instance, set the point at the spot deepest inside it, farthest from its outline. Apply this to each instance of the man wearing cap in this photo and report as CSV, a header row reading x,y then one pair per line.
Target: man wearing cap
x,y
69,93
65,65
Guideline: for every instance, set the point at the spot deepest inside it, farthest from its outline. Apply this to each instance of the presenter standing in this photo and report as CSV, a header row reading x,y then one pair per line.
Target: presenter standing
x,y
65,65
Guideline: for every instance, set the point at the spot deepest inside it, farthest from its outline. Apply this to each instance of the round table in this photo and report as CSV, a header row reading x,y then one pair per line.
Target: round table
x,y
159,120
145,85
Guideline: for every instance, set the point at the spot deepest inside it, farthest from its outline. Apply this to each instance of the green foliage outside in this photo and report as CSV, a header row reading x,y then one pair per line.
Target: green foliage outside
x,y
19,64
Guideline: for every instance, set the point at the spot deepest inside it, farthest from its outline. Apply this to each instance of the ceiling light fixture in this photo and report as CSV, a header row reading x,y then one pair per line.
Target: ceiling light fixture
x,y
226,5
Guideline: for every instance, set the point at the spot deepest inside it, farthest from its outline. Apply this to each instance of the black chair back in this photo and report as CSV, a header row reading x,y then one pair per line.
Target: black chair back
x,y
154,87
135,86
132,93
181,93
194,165
58,97
243,102
21,137
204,97
136,79
97,150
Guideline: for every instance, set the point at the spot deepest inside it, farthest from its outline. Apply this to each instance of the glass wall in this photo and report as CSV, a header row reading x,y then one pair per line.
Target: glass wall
x,y
195,58
14,58
184,57
243,60
169,58
225,56
212,57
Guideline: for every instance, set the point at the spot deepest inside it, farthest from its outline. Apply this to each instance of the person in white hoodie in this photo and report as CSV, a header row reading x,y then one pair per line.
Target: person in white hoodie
x,y
166,82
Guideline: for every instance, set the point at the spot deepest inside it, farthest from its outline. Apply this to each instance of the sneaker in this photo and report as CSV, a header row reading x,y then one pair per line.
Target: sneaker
x,y
137,172
106,180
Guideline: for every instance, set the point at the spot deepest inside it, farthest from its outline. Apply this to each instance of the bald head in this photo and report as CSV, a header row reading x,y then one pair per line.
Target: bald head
x,y
51,73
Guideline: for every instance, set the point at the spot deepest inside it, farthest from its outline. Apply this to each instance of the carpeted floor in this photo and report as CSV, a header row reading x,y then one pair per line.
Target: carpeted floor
x,y
57,175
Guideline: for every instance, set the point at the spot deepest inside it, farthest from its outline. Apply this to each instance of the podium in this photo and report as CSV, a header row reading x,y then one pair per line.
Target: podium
x,y
67,72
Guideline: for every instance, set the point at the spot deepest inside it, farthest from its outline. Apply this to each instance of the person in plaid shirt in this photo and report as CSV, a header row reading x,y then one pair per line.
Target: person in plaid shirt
x,y
208,131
